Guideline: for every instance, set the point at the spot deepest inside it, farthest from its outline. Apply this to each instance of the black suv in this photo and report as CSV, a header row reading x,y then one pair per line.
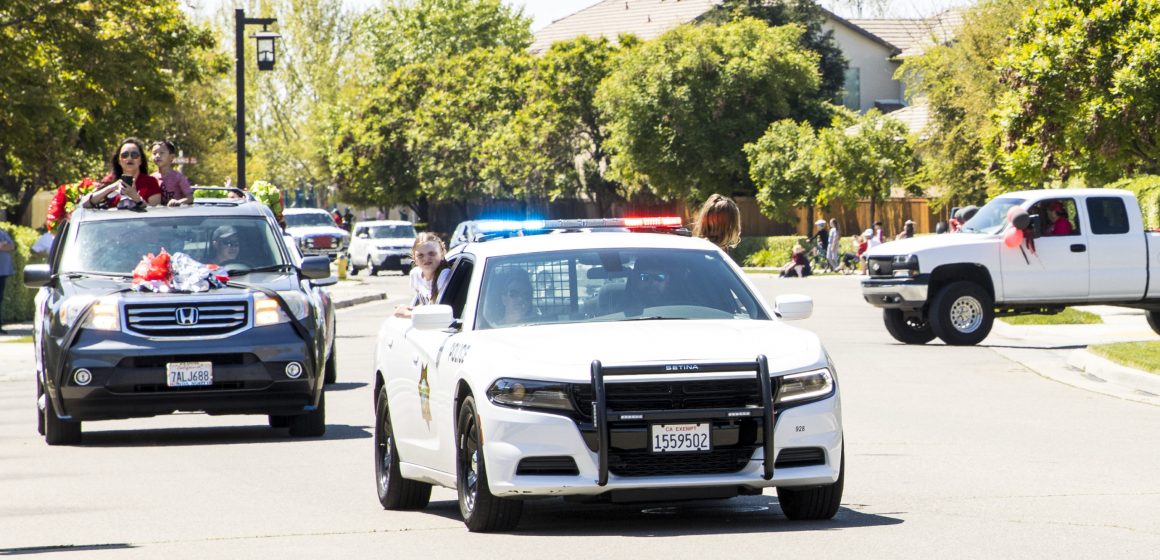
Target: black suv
x,y
260,345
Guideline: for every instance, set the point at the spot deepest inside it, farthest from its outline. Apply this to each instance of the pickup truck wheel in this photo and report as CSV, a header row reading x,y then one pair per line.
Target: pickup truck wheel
x,y
1153,320
311,424
482,512
57,431
812,504
395,492
907,329
961,314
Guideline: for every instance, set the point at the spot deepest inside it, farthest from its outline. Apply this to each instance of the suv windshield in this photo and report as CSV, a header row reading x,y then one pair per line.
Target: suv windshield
x,y
391,232
600,285
116,246
309,219
991,218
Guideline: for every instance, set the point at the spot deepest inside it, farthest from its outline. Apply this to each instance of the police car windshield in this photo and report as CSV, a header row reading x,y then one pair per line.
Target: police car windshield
x,y
603,285
391,232
991,218
116,246
309,219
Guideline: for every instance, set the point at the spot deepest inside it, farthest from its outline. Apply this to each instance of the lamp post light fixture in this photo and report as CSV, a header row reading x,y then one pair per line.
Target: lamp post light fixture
x,y
266,55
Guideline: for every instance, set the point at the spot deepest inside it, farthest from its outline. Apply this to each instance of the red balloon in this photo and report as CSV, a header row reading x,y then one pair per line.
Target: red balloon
x,y
1013,237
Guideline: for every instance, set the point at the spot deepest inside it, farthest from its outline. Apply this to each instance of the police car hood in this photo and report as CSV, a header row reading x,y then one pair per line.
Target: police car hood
x,y
565,352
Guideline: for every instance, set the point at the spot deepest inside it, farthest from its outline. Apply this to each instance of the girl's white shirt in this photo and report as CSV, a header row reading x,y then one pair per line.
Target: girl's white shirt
x,y
422,286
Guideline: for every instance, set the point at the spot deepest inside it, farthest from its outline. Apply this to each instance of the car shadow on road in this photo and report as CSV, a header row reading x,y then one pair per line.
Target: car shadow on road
x,y
218,435
747,514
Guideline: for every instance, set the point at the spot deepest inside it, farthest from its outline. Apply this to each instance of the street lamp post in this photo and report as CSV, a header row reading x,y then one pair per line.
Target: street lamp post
x,y
265,40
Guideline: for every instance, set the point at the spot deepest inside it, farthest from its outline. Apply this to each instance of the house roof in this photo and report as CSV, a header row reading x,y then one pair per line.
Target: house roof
x,y
609,18
913,36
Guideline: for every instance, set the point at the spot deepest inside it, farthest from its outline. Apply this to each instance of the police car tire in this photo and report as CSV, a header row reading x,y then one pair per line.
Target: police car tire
x,y
39,412
967,294
311,424
1153,320
482,512
395,492
817,503
904,330
57,431
331,370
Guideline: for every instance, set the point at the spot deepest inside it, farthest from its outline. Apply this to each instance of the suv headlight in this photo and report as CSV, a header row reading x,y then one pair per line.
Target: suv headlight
x,y
524,393
268,312
105,315
904,265
808,385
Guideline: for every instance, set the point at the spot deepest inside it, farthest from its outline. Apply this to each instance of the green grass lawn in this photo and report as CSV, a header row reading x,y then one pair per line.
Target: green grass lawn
x,y
1140,355
1068,316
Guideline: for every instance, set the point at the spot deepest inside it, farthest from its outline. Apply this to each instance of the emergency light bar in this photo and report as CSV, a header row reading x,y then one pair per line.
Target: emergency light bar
x,y
495,229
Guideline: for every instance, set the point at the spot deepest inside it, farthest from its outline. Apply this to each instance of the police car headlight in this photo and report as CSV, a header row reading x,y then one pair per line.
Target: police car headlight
x,y
523,393
104,316
268,312
808,385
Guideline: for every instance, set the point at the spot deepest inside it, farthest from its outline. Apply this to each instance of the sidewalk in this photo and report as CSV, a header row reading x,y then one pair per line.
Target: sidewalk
x,y
17,361
1059,352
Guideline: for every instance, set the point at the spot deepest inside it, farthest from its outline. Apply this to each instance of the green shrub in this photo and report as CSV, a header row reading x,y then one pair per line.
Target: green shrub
x,y
776,251
18,304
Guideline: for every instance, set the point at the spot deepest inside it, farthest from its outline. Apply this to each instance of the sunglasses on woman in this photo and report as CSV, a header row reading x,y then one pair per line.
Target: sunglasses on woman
x,y
130,155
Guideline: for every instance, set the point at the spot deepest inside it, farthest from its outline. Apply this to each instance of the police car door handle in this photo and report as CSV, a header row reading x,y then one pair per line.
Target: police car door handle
x,y
1078,248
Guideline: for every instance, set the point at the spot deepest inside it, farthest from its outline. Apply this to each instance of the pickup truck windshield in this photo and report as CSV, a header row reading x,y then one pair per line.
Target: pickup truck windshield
x,y
116,246
991,218
309,219
601,285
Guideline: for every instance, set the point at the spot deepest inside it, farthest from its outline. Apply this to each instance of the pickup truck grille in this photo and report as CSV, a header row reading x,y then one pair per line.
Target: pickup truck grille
x,y
880,267
186,318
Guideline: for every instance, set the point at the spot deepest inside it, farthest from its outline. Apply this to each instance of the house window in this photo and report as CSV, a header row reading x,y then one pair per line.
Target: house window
x,y
852,90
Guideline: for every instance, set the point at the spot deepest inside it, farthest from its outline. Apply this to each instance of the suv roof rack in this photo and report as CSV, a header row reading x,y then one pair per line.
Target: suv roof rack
x,y
499,229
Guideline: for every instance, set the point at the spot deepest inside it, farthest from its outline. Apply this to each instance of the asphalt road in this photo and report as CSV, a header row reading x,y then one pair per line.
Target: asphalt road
x,y
951,453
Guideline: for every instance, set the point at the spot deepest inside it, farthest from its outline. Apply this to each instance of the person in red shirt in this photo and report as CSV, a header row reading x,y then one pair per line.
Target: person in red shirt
x,y
1058,224
129,184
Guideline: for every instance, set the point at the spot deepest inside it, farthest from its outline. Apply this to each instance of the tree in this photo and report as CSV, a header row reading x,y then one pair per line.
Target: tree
x,y
809,15
785,165
866,161
680,108
555,141
76,76
410,31
1083,95
960,83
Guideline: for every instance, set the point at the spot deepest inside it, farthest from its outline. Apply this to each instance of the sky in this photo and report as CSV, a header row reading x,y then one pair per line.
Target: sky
x,y
543,12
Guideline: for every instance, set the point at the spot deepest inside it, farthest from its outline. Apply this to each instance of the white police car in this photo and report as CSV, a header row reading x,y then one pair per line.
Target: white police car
x,y
624,367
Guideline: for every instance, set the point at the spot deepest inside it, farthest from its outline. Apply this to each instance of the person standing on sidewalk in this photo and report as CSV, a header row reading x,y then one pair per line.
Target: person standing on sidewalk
x,y
6,248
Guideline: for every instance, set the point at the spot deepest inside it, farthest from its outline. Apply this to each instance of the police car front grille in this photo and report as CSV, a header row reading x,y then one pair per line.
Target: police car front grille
x,y
676,395
175,319
645,463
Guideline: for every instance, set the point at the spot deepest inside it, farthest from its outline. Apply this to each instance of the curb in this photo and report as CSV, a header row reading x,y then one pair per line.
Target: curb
x,y
358,300
1098,366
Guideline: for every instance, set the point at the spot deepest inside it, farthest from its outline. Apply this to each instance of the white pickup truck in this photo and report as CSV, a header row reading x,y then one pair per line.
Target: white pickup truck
x,y
1082,246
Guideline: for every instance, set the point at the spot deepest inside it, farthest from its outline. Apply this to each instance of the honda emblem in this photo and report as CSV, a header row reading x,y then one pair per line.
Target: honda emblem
x,y
186,316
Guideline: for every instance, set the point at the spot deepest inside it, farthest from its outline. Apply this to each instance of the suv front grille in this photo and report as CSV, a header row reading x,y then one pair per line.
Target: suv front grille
x,y
186,318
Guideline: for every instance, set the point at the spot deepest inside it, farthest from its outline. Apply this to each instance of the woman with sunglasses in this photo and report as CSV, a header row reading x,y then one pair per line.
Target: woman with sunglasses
x,y
128,185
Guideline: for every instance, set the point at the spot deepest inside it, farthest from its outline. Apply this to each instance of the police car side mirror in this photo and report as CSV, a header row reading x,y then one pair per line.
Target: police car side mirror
x,y
431,317
793,307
